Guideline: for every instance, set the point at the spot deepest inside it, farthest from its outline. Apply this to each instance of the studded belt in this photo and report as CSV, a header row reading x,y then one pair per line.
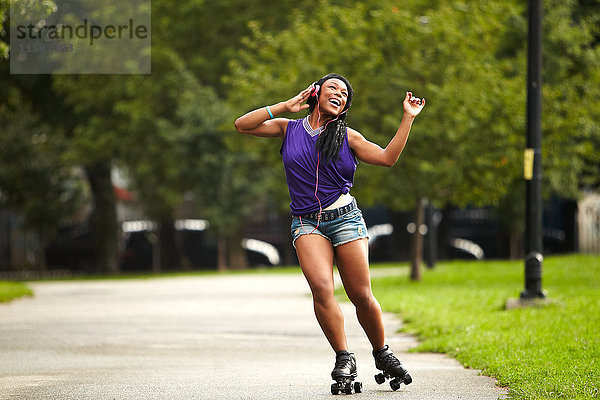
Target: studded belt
x,y
330,215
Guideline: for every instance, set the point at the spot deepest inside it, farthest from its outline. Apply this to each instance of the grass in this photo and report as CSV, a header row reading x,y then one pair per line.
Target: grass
x,y
550,352
13,290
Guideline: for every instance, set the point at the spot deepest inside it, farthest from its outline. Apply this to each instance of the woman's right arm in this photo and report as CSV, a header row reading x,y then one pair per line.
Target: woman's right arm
x,y
259,122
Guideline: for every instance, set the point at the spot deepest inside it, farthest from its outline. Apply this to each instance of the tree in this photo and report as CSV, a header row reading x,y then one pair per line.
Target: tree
x,y
94,142
462,148
165,129
174,146
4,6
228,179
33,179
467,60
571,96
570,104
174,134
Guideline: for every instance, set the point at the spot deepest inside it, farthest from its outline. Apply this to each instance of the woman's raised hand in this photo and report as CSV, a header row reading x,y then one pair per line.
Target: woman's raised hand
x,y
295,105
412,105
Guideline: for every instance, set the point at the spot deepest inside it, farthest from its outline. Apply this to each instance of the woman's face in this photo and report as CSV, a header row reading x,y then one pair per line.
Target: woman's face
x,y
333,97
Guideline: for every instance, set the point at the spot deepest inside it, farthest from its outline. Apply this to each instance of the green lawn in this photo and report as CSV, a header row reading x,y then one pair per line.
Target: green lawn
x,y
13,290
550,352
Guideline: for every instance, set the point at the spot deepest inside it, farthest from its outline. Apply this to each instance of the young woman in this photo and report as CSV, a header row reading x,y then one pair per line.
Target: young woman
x,y
320,154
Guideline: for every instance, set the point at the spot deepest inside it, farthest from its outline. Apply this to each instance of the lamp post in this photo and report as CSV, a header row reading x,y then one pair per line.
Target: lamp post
x,y
533,157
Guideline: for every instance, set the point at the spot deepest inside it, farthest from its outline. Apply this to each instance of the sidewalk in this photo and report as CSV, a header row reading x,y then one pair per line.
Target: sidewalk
x,y
213,337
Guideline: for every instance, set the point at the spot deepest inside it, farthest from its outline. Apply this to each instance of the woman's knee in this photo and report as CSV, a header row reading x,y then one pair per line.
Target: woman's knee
x,y
363,300
322,291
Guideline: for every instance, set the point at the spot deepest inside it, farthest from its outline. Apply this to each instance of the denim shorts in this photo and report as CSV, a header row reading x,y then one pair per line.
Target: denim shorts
x,y
345,228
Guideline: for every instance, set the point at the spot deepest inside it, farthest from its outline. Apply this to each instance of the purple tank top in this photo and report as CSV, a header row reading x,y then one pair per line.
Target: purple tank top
x,y
300,162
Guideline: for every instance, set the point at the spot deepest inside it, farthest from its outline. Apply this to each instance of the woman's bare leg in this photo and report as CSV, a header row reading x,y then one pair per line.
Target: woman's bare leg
x,y
315,254
353,264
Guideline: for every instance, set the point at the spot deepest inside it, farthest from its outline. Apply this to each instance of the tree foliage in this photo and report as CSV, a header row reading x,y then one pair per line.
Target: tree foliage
x,y
172,131
468,59
571,96
462,146
33,178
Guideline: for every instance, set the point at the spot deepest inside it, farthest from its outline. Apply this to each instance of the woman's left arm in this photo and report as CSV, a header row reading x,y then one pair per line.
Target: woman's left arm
x,y
371,153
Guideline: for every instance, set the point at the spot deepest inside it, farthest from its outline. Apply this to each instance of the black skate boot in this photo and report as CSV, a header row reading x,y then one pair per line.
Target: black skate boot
x,y
392,368
344,374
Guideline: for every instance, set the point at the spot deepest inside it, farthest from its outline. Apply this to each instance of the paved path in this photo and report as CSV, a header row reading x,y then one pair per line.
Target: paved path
x,y
212,337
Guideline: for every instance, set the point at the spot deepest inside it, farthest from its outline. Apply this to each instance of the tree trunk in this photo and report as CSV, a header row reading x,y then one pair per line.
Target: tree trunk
x,y
103,220
222,253
416,253
236,254
432,218
169,254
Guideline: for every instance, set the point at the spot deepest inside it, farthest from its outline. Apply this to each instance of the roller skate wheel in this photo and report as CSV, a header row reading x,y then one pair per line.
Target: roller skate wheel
x,y
357,387
394,384
407,379
379,378
348,388
335,389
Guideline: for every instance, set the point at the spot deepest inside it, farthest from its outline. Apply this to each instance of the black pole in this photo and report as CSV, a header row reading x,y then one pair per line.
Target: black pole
x,y
533,157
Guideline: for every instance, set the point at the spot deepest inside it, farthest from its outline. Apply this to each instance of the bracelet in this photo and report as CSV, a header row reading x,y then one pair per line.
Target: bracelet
x,y
270,113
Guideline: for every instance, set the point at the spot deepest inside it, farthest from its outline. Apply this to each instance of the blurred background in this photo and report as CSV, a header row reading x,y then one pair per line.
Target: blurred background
x,y
118,173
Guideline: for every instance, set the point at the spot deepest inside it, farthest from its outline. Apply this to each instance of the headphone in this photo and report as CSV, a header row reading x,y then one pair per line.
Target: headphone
x,y
314,90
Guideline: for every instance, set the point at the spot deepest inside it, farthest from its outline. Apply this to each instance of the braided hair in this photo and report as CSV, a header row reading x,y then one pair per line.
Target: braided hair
x,y
331,139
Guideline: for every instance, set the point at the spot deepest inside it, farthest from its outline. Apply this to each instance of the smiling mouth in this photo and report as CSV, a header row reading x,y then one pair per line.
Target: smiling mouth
x,y
335,102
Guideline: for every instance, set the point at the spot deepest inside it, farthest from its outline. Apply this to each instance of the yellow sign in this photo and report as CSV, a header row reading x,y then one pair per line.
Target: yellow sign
x,y
528,164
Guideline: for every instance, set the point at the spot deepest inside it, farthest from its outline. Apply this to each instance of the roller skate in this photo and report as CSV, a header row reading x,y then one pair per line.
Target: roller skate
x,y
344,374
392,368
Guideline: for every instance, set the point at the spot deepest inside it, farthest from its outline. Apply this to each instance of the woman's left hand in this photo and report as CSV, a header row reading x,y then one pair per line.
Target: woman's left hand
x,y
413,105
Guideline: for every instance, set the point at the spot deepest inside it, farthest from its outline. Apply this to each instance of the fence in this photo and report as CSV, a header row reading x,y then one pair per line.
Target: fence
x,y
19,248
588,220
